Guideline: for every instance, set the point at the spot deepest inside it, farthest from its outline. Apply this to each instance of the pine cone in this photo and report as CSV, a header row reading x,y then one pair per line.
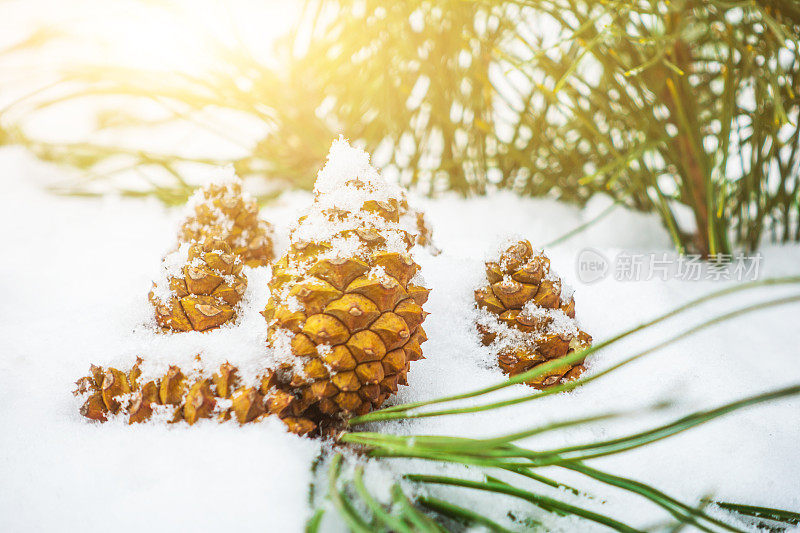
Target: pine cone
x,y
200,286
176,397
345,313
221,209
530,318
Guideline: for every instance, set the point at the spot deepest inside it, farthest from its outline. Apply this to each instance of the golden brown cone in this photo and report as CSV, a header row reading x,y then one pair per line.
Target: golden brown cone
x,y
346,308
223,210
202,293
529,319
107,393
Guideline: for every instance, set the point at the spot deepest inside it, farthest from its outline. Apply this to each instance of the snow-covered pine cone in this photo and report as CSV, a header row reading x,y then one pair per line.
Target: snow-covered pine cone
x,y
345,314
200,285
222,209
530,318
177,397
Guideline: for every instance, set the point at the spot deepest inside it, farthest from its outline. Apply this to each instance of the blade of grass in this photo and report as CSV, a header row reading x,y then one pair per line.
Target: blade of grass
x,y
461,514
547,481
420,520
538,500
312,526
681,525
578,229
613,446
340,501
392,522
446,442
778,515
676,508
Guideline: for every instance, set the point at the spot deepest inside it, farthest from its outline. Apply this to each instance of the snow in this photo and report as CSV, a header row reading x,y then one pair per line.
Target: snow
x,y
76,277
348,180
343,186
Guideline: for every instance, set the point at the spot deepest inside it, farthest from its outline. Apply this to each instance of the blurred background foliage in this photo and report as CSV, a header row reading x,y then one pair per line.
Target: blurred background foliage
x,y
685,108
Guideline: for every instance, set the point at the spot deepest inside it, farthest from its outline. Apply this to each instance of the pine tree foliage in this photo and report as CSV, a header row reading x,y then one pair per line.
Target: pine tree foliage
x,y
676,107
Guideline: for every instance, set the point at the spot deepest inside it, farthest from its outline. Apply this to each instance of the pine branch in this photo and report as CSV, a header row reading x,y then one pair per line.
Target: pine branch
x,y
658,104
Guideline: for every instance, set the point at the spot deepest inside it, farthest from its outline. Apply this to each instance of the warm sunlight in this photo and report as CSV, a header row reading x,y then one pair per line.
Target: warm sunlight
x,y
399,266
159,35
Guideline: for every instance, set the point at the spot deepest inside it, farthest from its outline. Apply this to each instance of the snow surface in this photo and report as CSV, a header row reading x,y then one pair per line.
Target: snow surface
x,y
75,276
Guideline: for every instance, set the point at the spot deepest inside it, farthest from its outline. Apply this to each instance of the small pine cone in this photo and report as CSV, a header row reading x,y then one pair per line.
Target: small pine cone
x,y
200,287
224,211
111,392
529,316
345,306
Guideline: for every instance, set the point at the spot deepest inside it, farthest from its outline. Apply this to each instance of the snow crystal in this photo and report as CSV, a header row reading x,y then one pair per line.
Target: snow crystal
x,y
506,336
292,303
282,346
551,275
557,322
378,273
418,279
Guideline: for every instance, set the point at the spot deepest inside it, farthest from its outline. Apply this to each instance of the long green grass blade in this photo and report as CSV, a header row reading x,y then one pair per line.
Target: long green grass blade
x,y
525,472
578,229
391,522
778,515
461,514
681,524
421,522
312,526
538,500
480,445
679,510
613,446
343,505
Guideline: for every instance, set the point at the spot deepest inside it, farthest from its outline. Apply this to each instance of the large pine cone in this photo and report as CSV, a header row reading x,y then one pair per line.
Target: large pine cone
x,y
223,210
530,319
200,286
346,313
